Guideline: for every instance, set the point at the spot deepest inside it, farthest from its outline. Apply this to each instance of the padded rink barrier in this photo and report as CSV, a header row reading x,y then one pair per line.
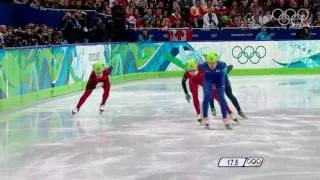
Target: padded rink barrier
x,y
28,75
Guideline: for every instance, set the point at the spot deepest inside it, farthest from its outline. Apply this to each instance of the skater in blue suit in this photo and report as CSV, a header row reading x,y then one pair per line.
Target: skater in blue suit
x,y
214,77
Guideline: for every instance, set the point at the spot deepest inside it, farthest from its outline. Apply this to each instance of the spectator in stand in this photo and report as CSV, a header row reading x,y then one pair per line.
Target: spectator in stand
x,y
196,14
157,23
165,21
244,9
234,7
99,31
145,36
210,19
131,6
317,22
139,23
130,19
147,24
268,6
221,9
149,16
267,18
202,2
3,33
176,5
257,17
176,20
263,35
256,22
303,34
152,7
235,22
159,14
34,4
256,7
209,5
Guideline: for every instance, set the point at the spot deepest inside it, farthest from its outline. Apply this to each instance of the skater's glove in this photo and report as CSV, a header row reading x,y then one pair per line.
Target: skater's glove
x,y
100,84
229,68
188,98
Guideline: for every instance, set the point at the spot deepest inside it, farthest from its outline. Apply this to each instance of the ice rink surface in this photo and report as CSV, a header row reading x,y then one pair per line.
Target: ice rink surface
x,y
149,132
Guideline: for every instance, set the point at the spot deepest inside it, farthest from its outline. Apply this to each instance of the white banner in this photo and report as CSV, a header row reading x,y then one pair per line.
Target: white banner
x,y
86,57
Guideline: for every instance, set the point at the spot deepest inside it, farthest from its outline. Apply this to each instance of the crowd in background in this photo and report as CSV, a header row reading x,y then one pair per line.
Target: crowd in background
x,y
117,16
190,13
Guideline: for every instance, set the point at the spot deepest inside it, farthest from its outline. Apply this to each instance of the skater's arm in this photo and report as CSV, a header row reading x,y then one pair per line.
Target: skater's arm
x,y
105,75
229,68
184,86
110,69
92,78
91,84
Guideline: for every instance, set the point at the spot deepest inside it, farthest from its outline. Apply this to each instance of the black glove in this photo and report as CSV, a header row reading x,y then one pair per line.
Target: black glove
x,y
188,98
229,68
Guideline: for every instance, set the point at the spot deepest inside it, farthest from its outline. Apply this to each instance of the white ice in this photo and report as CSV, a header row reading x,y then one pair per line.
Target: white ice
x,y
149,131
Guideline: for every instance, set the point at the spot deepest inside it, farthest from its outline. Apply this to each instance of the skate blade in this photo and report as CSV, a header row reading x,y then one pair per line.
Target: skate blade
x,y
236,120
72,114
228,127
207,126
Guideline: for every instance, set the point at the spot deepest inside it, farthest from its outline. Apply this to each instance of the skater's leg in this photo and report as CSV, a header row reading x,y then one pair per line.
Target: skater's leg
x,y
233,99
223,105
215,96
207,91
84,97
106,90
195,96
222,101
195,99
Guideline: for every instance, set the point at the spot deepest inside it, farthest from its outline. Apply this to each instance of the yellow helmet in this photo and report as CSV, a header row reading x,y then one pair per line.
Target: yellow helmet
x,y
98,67
211,57
191,65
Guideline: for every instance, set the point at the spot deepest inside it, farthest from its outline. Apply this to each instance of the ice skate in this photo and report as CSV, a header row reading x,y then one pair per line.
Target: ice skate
x,y
226,124
213,111
206,122
75,111
199,118
242,115
234,117
101,109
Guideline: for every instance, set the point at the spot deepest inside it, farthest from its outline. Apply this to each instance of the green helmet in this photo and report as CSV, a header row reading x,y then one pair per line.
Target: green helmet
x,y
211,57
98,67
191,65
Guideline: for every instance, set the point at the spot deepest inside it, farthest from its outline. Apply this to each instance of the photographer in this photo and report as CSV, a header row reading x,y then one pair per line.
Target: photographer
x,y
99,31
119,20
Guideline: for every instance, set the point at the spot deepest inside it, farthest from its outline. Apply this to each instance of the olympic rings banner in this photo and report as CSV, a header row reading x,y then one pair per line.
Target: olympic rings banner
x,y
45,67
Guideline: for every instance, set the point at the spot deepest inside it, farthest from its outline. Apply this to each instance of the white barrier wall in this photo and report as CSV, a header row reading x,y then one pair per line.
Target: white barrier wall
x,y
265,54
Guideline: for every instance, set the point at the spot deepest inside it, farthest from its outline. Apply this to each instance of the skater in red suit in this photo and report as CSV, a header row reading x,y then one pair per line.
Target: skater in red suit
x,y
99,78
195,80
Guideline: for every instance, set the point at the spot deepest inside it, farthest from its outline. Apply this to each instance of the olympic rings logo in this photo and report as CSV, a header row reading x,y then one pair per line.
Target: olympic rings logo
x,y
290,16
253,162
249,53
